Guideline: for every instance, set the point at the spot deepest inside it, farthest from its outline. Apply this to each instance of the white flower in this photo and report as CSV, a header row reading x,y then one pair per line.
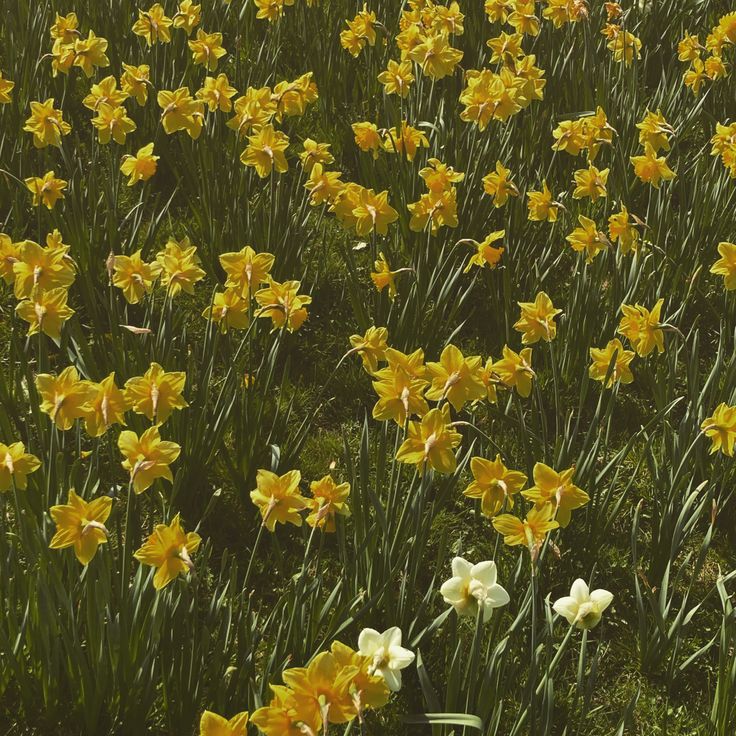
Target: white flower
x,y
388,656
582,607
472,586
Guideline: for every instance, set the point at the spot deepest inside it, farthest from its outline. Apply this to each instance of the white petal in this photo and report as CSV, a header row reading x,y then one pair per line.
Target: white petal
x,y
497,596
398,658
392,678
392,637
485,572
567,606
368,641
602,599
579,591
453,590
461,568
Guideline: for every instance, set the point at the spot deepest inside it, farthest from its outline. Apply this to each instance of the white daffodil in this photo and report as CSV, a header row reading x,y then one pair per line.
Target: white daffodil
x,y
473,586
387,655
581,607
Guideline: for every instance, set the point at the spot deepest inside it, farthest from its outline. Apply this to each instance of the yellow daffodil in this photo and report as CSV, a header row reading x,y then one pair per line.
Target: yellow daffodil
x,y
217,93
81,524
105,91
180,111
207,49
266,151
435,56
134,276
278,498
153,25
45,311
515,370
650,168
373,213
531,531
537,320
147,457
371,347
642,328
655,131
65,28
408,141
590,182
16,465
169,549
726,265
557,490
455,378
112,123
400,395
622,229
140,167
486,254
368,137
187,16
328,500
229,309
64,397
246,270
179,267
212,724
283,304
90,53
46,189
6,87
135,81
108,407
156,393
542,206
315,153
587,238
283,715
494,484
498,185
612,358
47,124
397,78
431,442
720,427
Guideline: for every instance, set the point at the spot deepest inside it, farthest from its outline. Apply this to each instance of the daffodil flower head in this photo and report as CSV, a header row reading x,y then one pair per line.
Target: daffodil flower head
x,y
583,608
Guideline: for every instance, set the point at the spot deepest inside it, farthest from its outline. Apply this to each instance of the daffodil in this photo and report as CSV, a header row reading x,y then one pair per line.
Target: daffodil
x,y
397,78
45,311
105,91
315,153
323,186
179,267
515,370
38,268
726,265
153,25
720,427
557,489
108,407
431,442
455,378
371,347
47,124
64,397
587,238
621,229
207,49
400,395
147,457
140,167
283,305
590,182
246,270
187,17
486,254
373,213
266,151
407,141
655,131
112,123
134,276
643,328
46,190
81,524
367,137
531,531
16,465
283,716
6,87
212,724
542,205
494,484
473,588
217,93
328,500
90,53
383,277
278,498
156,393
387,655
180,111
612,361
135,81
435,56
498,185
650,168
169,549
537,320
229,309
583,608
367,690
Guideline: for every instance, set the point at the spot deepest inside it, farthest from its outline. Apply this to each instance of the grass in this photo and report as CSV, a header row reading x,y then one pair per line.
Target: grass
x,y
96,648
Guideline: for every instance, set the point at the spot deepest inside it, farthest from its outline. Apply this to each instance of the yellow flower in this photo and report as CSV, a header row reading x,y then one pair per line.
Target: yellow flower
x,y
315,153
587,238
436,209
400,395
523,18
367,137
283,716
371,347
37,268
229,309
207,49
397,79
278,498
105,91
153,25
64,397
384,277
169,549
642,328
455,378
689,48
695,76
108,407
439,177
490,96
557,490
45,311
621,229
62,57
590,182
499,186
655,131
368,689
494,484
156,393
505,48
89,53
283,304
81,524
612,358
435,56
409,141
360,30
140,167
292,98
6,87
112,122
323,186
181,112
134,82
179,266
486,254
515,370
270,10
212,724
217,93
46,124
431,442
328,500
46,189
726,265
542,205
323,687
15,465
530,532
246,270
134,276
373,213
65,27
721,428
188,16
537,320
9,256
625,47
650,168
147,457
266,151
490,381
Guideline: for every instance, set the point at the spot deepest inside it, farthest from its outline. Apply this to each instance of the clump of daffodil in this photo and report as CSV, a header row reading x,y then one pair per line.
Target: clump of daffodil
x,y
720,427
156,393
431,442
147,457
81,524
557,490
278,498
16,465
494,484
612,362
169,550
